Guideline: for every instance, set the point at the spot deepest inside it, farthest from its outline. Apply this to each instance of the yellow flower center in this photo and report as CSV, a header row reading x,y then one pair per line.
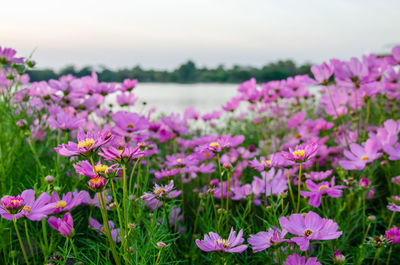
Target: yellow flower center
x,y
28,209
179,160
224,242
100,168
207,154
159,191
308,232
63,125
130,125
214,144
364,158
299,153
95,180
297,135
88,142
120,150
323,187
61,204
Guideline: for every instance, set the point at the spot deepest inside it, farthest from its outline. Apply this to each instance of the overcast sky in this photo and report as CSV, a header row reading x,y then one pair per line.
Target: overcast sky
x,y
162,34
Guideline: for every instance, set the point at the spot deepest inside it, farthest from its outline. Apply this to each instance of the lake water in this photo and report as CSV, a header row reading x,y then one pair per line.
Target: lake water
x,y
173,97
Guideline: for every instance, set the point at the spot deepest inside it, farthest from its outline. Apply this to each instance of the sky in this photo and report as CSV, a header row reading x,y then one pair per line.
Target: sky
x,y
162,34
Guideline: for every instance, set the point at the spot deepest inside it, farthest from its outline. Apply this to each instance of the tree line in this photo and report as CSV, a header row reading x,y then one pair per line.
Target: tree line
x,y
185,73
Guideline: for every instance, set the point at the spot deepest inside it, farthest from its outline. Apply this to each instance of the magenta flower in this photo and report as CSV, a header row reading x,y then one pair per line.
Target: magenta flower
x,y
11,204
274,160
264,240
68,202
128,84
393,235
7,56
65,122
317,190
213,242
322,73
359,156
165,173
302,153
128,122
161,192
34,210
295,259
121,156
93,223
126,99
310,227
64,226
87,143
393,207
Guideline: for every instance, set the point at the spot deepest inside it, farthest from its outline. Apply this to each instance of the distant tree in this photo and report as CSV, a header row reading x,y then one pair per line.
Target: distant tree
x,y
187,72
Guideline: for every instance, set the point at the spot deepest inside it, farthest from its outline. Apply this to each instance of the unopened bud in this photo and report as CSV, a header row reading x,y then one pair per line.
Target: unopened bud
x,y
161,244
49,179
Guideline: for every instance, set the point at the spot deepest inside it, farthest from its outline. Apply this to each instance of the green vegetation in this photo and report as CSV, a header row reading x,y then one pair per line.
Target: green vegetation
x,y
186,73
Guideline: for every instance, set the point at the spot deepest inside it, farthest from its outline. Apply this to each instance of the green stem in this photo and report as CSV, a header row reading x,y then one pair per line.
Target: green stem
x,y
220,179
125,201
227,203
19,239
290,190
73,247
298,190
391,220
363,216
390,253
103,208
29,241
131,177
46,243
118,213
158,256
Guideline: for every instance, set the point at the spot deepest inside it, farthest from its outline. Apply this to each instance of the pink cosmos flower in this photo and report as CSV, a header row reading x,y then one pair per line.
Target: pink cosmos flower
x,y
7,56
93,223
128,122
364,183
317,190
97,184
295,259
213,242
393,235
302,153
274,160
128,84
126,99
65,122
393,207
87,143
64,226
309,227
322,72
165,173
67,202
34,210
317,176
264,240
125,155
359,156
161,192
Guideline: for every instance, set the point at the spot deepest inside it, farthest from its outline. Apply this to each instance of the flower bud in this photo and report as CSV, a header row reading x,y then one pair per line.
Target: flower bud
x,y
49,179
22,124
97,184
161,244
132,197
214,182
131,249
364,183
339,257
227,166
372,218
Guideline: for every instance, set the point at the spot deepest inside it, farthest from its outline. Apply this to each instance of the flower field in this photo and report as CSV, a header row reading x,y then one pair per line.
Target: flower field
x,y
281,174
